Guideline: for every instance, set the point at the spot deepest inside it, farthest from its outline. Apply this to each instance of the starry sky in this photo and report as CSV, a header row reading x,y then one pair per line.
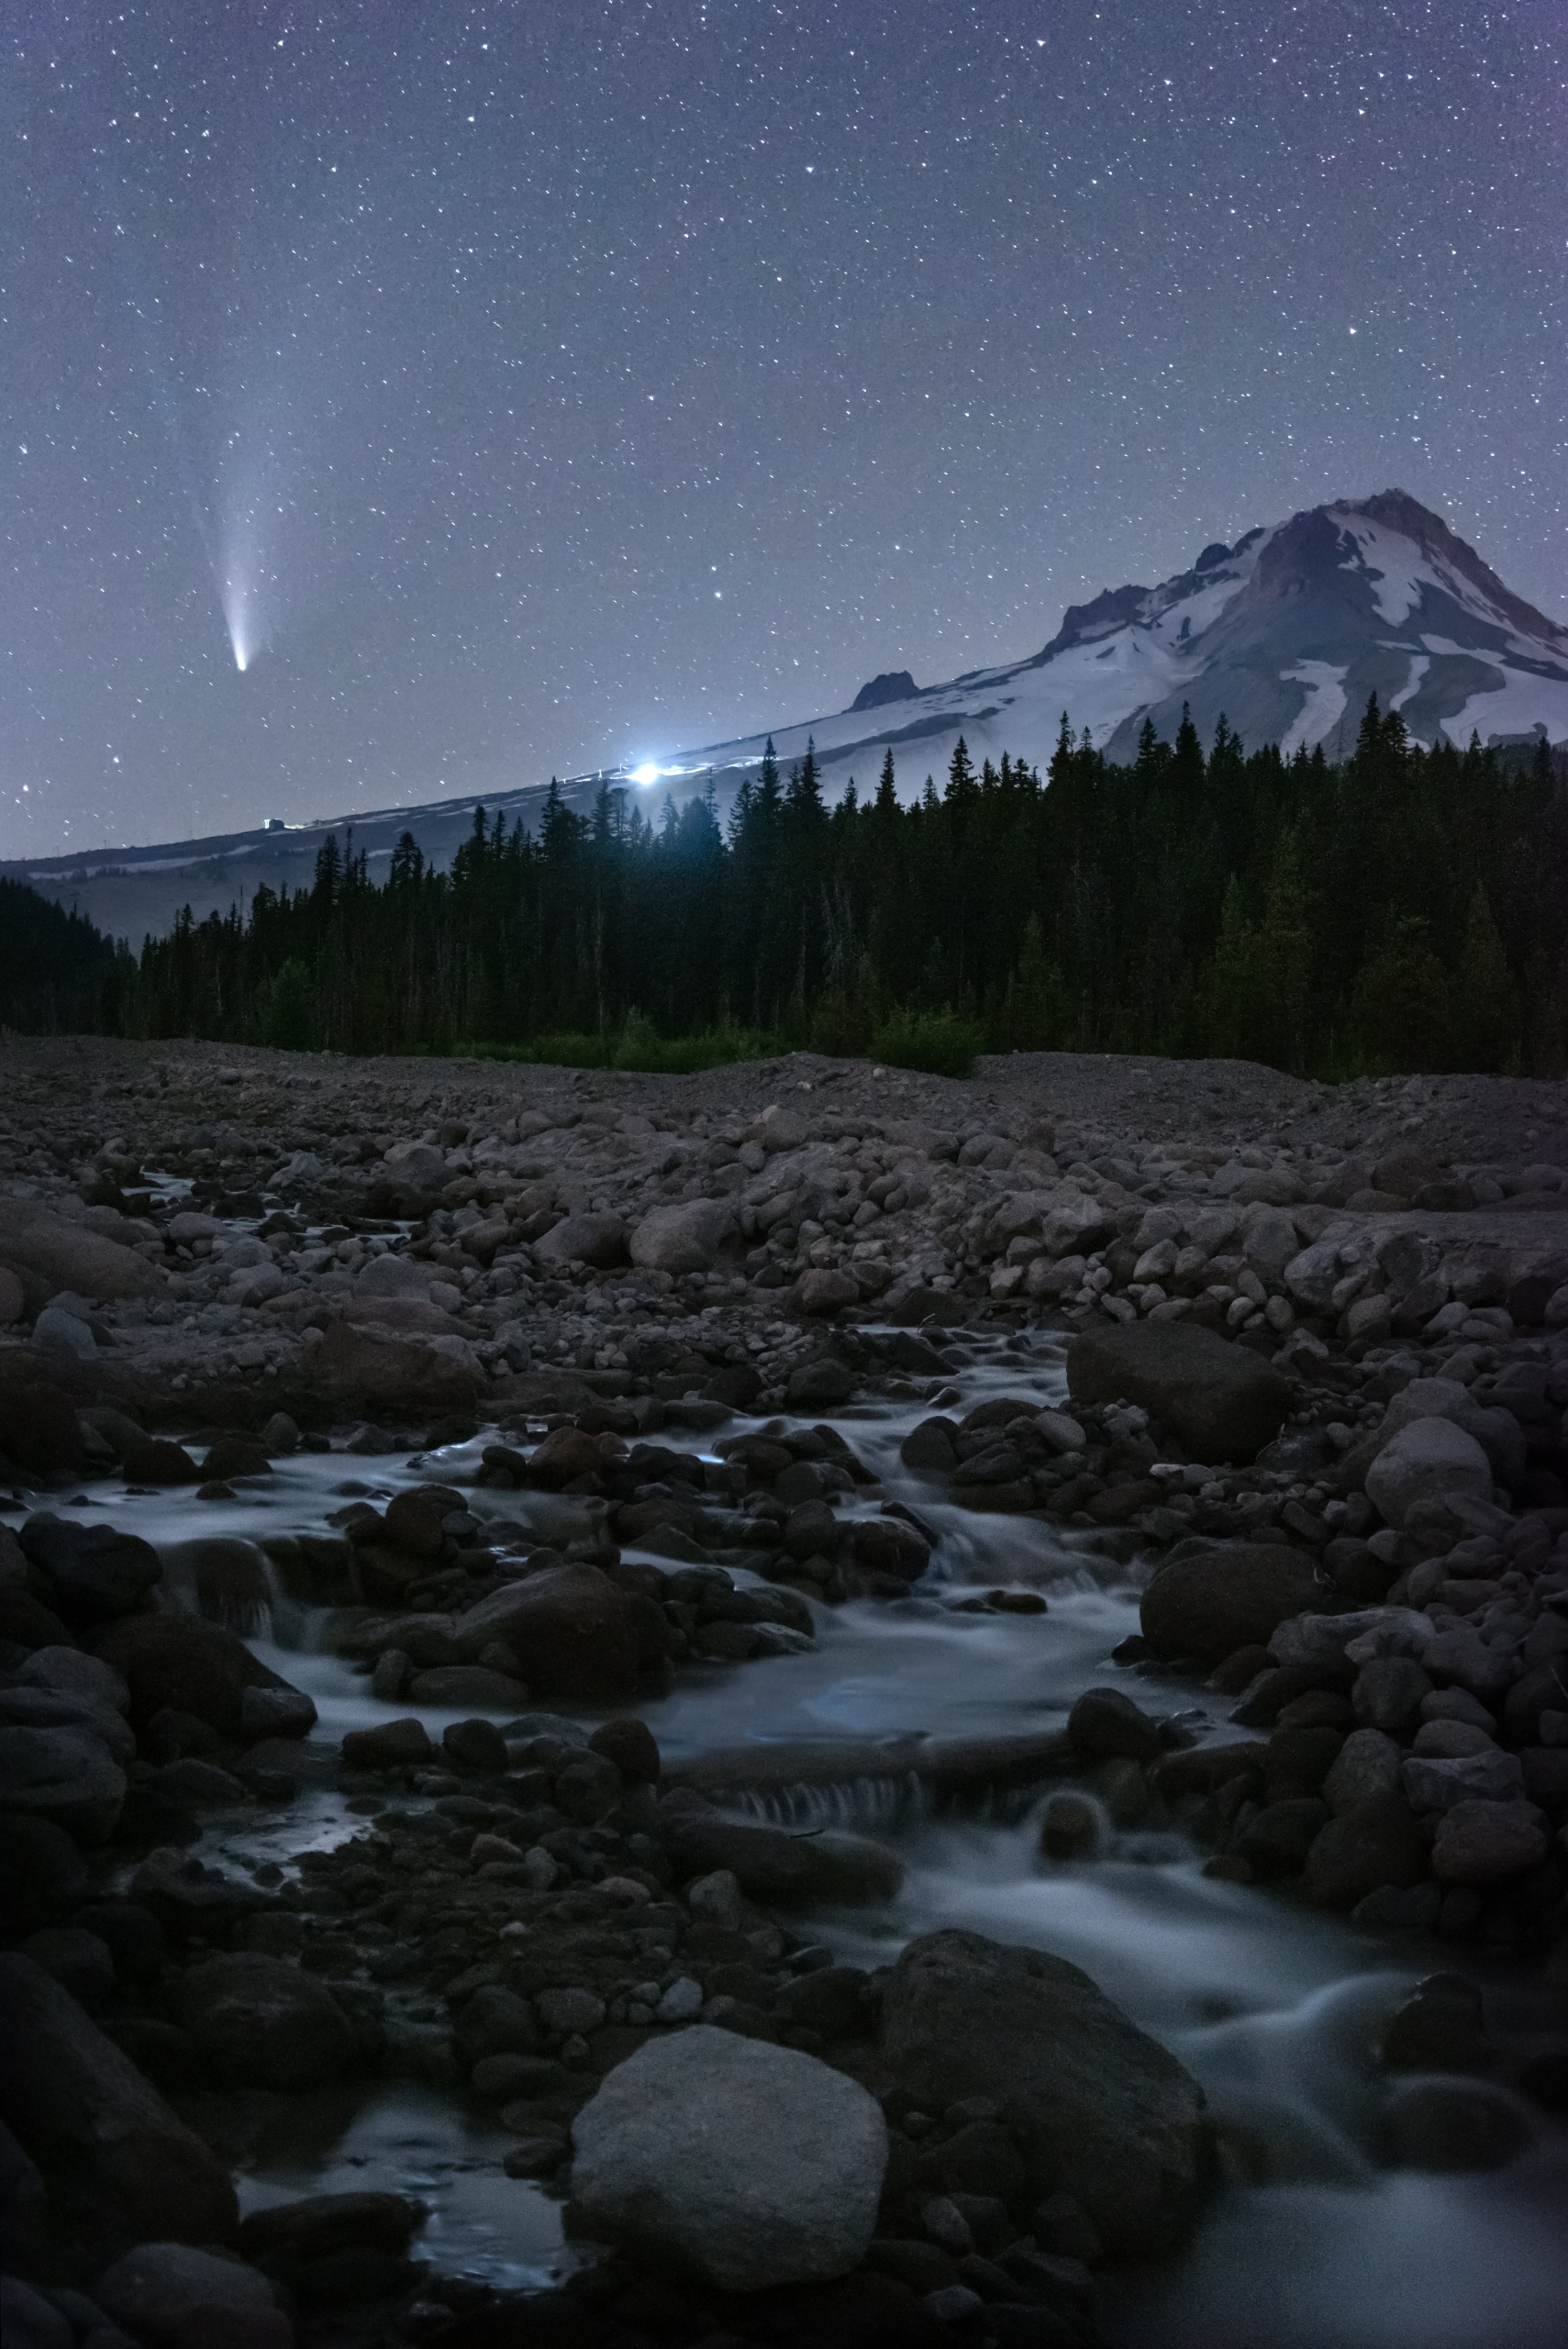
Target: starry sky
x,y
532,388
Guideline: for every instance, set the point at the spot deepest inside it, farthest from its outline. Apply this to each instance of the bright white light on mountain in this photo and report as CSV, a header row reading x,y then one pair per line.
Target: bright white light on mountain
x,y
647,772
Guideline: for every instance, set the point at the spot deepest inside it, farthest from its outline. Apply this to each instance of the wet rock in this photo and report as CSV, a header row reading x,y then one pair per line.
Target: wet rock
x,y
173,2297
389,1745
1437,2029
1482,1843
1221,1401
1108,2114
287,2238
65,1775
275,1712
172,1662
58,1331
683,1237
96,1571
597,1239
95,2124
771,1865
565,1454
1231,1595
929,1450
71,1673
155,1461
39,1431
1071,1827
632,1746
1435,1783
668,2157
821,1385
1427,1460
886,1545
1104,1724
260,2023
498,2021
30,1708
468,1683
1453,2125
574,1632
475,1744
1370,1843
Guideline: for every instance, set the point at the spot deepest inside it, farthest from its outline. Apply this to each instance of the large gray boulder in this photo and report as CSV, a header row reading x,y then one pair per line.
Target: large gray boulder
x,y
1106,2112
48,1252
95,2125
683,1237
1428,1460
1219,1399
1232,1595
260,2023
1498,1432
393,1276
66,1775
168,2294
748,2164
596,1239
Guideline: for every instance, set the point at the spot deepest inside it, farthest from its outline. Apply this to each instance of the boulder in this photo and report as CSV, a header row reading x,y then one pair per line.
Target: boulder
x,y
393,1276
39,1431
1229,1596
49,1252
402,1744
23,1706
71,1674
13,1299
260,2023
173,1662
449,1685
1369,1843
1482,1843
96,1572
596,1239
1221,1400
415,1165
288,2236
62,1332
363,1369
824,1290
749,2166
95,2124
171,2295
574,1632
1497,1431
1107,2114
1427,1460
683,1237
771,1865
64,1775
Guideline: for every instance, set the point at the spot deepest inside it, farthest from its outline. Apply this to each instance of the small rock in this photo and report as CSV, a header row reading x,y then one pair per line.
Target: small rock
x,y
1485,1842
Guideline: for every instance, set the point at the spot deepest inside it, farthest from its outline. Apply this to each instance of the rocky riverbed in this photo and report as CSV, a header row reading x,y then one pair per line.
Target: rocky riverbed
x,y
809,1704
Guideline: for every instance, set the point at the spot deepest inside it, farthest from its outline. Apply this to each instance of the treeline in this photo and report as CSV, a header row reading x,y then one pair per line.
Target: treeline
x,y
59,977
1407,909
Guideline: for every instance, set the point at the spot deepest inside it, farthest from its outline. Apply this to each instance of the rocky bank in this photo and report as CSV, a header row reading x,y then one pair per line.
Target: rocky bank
x,y
599,1360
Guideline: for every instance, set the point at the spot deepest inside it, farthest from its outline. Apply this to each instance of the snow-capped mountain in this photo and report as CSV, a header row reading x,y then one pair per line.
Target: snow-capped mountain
x,y
1287,633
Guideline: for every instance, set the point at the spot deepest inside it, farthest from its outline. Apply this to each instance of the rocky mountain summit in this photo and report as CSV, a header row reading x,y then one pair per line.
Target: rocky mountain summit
x,y
523,1403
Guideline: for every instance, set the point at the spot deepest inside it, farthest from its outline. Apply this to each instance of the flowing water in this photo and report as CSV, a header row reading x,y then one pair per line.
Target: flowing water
x,y
1271,2006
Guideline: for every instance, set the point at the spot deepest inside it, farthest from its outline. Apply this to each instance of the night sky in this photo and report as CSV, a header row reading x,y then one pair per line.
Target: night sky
x,y
535,387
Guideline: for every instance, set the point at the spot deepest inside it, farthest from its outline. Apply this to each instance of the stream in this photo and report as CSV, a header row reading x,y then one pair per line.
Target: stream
x,y
1270,2005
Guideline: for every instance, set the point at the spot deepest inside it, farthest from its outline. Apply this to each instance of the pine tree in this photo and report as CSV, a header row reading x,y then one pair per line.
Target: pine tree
x,y
1486,1005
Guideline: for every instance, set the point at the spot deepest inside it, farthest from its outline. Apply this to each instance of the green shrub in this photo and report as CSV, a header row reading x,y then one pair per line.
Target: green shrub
x,y
939,1044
